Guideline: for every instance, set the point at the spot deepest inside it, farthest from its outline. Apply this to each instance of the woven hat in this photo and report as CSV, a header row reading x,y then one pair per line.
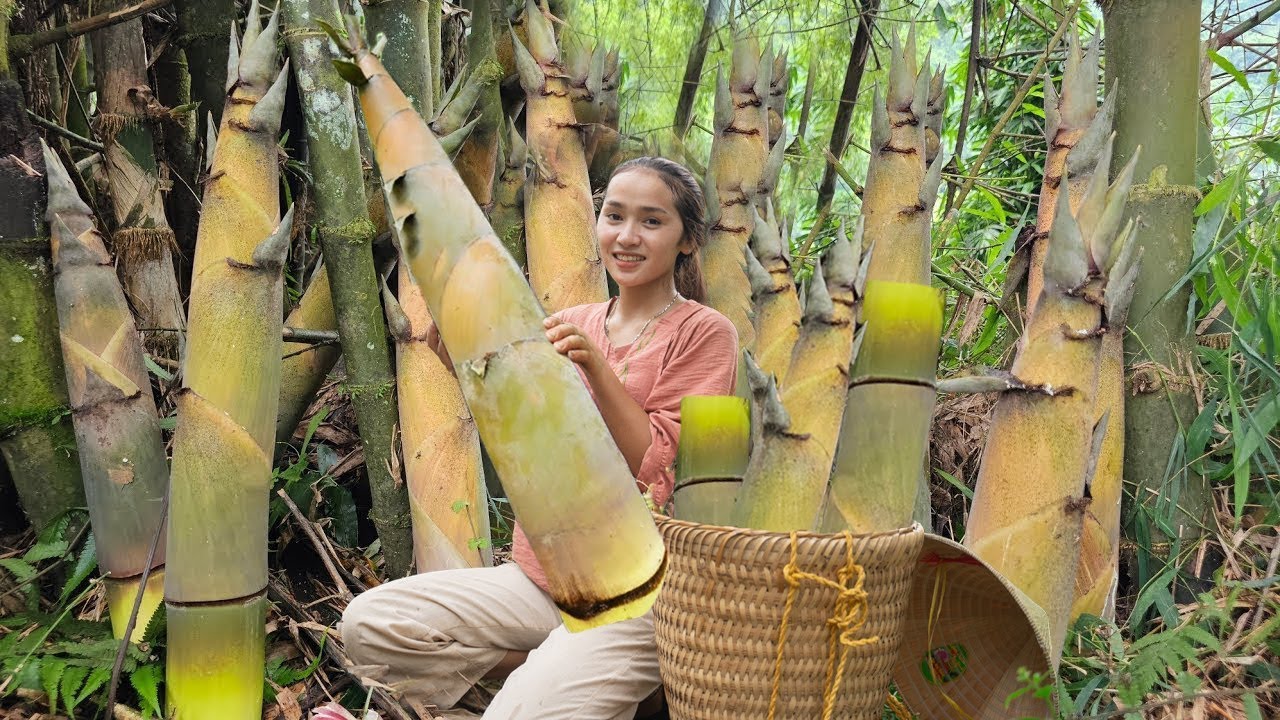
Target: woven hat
x,y
978,630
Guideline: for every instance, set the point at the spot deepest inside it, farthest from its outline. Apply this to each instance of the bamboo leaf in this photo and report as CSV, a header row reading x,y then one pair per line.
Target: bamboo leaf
x,y
1251,709
1269,147
156,369
1220,193
964,489
1231,69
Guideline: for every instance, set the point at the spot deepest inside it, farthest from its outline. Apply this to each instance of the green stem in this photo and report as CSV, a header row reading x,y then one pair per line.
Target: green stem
x,y
1152,55
346,239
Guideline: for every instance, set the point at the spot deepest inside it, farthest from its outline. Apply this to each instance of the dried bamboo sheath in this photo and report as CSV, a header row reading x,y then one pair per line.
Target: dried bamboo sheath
x,y
122,454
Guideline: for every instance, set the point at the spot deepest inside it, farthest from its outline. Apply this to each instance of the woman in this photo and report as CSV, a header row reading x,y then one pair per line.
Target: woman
x,y
432,636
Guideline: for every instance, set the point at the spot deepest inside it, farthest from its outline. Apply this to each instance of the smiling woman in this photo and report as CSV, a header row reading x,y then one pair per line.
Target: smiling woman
x,y
436,634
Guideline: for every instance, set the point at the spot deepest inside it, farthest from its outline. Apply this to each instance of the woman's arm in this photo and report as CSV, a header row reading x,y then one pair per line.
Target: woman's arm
x,y
626,419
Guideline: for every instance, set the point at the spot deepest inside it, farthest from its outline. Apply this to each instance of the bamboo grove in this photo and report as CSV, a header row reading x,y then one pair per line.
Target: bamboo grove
x,y
447,202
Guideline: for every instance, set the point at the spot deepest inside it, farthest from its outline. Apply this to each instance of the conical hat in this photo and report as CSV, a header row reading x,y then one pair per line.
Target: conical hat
x,y
979,630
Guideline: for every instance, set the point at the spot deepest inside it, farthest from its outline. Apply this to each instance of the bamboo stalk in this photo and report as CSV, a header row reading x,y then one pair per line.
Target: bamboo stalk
x,y
563,256
514,382
122,454
1029,503
441,447
305,366
712,457
477,159
215,588
20,45
734,176
143,242
1152,55
891,395
346,239
776,305
507,215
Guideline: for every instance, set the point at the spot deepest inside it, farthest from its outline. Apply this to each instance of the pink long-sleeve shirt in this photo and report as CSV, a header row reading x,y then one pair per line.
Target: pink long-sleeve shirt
x,y
691,350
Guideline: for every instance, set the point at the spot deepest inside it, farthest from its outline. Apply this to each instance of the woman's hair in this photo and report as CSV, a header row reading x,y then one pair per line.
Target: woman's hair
x,y
691,207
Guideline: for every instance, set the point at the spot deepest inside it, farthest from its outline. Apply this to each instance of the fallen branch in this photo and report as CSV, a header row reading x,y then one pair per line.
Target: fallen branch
x,y
343,591
59,130
20,45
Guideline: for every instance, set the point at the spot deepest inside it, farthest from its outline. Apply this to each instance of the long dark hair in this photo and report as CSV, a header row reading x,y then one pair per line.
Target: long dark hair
x,y
692,209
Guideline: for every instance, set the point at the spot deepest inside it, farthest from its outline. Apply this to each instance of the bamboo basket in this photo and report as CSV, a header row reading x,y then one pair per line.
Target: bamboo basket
x,y
720,617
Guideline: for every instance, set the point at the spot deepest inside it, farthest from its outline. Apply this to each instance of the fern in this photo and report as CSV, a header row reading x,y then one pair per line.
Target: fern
x,y
146,682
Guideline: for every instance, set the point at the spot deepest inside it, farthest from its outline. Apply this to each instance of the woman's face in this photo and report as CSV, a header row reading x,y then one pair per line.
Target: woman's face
x,y
640,231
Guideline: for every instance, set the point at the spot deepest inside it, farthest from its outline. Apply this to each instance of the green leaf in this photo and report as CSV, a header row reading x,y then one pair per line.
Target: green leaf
x,y
85,565
1226,65
1251,709
1218,194
964,490
146,682
1270,147
20,569
97,678
341,508
50,673
46,550
1201,636
72,679
156,369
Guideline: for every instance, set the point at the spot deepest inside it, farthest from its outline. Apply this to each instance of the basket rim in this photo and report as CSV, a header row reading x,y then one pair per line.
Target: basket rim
x,y
912,529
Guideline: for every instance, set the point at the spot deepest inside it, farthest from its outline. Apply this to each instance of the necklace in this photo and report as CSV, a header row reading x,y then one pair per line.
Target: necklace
x,y
644,327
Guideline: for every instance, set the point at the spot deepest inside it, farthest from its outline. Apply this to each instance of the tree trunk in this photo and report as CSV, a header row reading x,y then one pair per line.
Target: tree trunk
x,y
36,438
142,242
346,238
477,160
693,67
182,154
1152,50
848,98
410,49
202,33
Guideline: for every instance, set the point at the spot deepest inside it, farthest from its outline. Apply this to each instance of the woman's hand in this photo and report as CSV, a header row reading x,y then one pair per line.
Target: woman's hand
x,y
571,342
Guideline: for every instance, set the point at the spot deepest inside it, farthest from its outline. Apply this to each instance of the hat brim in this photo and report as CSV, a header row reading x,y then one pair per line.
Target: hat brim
x,y
979,630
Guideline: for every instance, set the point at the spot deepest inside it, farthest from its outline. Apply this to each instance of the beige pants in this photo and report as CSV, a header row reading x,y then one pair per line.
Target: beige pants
x,y
432,636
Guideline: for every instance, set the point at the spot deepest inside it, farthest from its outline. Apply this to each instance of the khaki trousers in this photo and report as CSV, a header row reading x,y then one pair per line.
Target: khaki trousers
x,y
432,636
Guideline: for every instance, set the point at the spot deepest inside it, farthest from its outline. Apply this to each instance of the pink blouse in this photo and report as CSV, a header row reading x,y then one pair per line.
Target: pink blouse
x,y
692,350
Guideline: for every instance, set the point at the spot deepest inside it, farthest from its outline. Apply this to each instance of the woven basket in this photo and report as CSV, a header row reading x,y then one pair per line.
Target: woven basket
x,y
718,617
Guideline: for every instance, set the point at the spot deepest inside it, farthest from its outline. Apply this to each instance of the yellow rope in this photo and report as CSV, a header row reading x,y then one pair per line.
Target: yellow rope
x,y
847,617
899,708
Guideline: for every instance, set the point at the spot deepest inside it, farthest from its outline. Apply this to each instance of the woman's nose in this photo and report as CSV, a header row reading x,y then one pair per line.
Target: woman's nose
x,y
628,234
